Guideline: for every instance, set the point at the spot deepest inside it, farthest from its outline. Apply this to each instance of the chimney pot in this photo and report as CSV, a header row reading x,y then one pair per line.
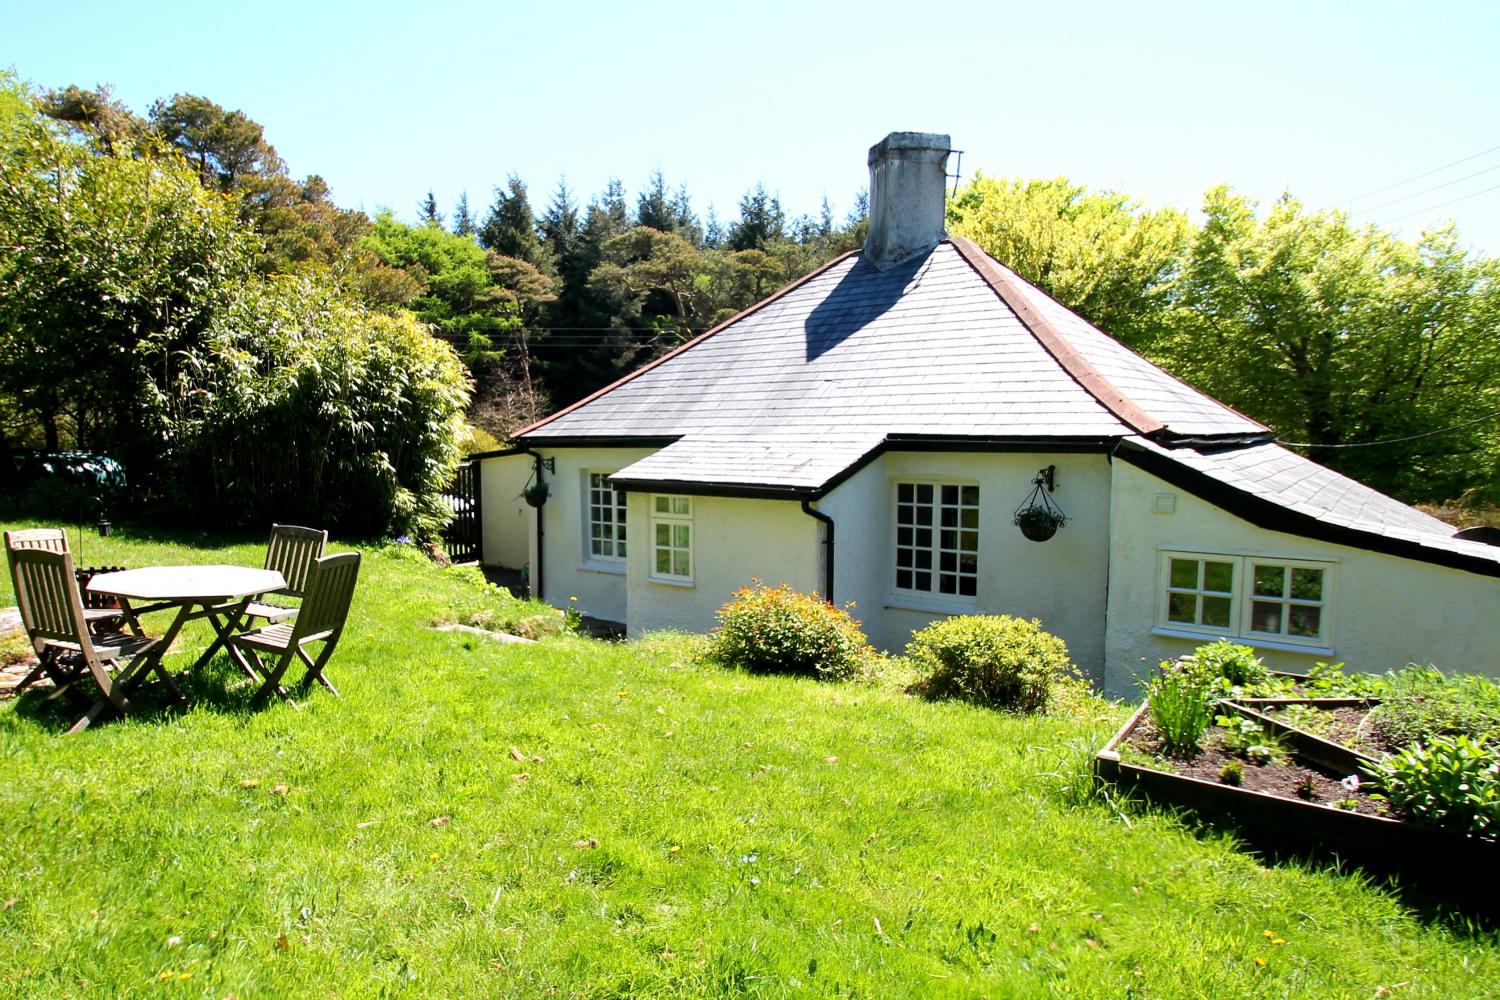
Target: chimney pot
x,y
908,196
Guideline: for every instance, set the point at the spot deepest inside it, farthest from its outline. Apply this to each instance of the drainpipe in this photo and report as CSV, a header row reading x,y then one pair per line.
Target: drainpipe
x,y
541,533
827,522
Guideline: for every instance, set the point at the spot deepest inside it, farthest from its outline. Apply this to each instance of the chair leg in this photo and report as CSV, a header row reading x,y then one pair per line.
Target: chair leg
x,y
273,677
315,668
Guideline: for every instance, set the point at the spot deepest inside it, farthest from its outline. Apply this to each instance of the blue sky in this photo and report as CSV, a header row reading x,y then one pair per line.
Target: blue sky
x,y
1330,100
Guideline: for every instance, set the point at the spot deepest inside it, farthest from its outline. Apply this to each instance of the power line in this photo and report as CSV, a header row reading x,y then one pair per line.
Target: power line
x,y
1399,440
1417,177
1444,204
1435,187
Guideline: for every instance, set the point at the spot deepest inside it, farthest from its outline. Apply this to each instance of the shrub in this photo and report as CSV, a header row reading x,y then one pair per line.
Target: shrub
x,y
1449,784
1423,702
1181,703
1235,663
778,630
991,660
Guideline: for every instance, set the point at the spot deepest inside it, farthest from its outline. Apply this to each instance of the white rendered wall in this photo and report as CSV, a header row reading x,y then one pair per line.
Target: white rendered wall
x,y
506,519
733,541
1387,611
1062,581
569,571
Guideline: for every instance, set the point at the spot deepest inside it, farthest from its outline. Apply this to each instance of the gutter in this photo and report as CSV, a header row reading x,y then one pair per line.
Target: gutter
x,y
537,577
828,540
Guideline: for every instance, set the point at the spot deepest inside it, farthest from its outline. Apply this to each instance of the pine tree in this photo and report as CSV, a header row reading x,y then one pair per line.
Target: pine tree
x,y
761,224
510,227
427,212
463,221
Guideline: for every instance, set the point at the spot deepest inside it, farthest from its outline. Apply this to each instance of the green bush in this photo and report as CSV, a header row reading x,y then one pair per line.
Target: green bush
x,y
1449,784
1422,702
991,660
1235,663
778,630
1181,699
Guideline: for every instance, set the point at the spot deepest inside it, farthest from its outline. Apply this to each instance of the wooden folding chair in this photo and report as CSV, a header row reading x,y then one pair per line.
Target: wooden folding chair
x,y
99,618
325,609
290,552
52,611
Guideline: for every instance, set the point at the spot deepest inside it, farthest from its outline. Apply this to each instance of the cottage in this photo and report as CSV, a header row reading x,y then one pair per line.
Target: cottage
x,y
875,430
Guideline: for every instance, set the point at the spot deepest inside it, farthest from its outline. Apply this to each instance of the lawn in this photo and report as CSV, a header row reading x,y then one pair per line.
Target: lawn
x,y
581,818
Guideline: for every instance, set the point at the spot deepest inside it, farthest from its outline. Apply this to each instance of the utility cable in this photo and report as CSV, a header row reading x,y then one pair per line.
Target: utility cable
x,y
1435,187
1399,440
1417,177
1445,204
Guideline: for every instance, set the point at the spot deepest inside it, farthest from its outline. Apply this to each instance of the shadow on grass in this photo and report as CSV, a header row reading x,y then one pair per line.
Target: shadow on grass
x,y
218,687
1433,889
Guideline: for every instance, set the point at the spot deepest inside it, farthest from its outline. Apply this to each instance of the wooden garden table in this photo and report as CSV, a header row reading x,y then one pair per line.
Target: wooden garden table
x,y
218,594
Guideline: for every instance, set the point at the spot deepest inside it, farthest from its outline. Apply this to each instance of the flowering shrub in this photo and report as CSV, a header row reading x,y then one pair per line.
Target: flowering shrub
x,y
778,630
992,660
1451,784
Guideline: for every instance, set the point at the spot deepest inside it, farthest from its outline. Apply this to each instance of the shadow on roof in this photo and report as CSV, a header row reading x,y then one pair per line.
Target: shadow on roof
x,y
861,297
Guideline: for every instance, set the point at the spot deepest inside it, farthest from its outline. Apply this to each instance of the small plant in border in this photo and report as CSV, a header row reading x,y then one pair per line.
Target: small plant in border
x,y
779,630
1235,663
1181,703
1451,784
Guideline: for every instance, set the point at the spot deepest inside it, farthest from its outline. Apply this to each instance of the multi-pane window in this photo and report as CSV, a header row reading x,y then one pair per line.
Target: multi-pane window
x,y
672,537
937,538
606,518
1286,600
1200,591
1250,597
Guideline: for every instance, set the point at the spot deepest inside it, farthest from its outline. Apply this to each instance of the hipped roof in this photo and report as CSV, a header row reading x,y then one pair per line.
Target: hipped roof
x,y
797,392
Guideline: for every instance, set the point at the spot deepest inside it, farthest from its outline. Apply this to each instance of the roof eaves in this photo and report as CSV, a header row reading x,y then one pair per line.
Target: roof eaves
x,y
1272,516
685,347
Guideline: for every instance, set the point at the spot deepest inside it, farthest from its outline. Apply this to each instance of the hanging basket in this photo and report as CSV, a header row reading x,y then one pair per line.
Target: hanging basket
x,y
536,494
1039,516
1038,523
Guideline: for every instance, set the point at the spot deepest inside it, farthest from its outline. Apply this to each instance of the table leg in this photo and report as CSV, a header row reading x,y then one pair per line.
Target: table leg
x,y
225,619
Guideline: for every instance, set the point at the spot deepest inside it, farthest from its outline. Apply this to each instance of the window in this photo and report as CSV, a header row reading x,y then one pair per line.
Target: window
x,y
1248,597
937,538
606,519
672,538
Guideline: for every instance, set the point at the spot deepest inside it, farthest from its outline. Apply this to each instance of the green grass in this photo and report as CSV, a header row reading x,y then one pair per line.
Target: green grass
x,y
674,829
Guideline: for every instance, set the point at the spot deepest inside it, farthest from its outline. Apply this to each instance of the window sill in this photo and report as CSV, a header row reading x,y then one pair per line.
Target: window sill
x,y
1285,647
662,581
613,569
936,605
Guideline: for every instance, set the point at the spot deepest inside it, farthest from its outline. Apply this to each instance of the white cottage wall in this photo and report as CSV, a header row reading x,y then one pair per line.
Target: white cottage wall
x,y
1062,582
506,519
733,540
569,569
1387,611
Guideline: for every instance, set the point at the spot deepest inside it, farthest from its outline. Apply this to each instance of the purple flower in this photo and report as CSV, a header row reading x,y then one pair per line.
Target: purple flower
x,y
1350,783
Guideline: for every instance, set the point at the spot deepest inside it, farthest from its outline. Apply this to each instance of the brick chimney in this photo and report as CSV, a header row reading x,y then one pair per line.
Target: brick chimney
x,y
908,187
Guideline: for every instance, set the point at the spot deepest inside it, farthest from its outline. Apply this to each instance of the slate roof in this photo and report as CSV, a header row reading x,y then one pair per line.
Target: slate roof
x,y
799,390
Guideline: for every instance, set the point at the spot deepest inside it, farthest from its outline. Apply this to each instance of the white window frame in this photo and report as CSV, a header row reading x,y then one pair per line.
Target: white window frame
x,y
935,547
1243,599
674,512
613,531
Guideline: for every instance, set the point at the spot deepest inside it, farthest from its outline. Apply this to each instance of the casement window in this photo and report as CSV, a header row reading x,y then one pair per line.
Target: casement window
x,y
672,538
606,520
1265,598
937,538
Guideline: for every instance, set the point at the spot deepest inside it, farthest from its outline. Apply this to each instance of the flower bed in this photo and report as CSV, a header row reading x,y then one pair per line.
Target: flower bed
x,y
1316,773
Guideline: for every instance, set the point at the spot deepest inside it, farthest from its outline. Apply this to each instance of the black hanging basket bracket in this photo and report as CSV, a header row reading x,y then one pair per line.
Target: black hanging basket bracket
x,y
1039,516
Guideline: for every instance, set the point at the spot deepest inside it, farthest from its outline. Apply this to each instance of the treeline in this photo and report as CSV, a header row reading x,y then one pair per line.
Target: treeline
x,y
1377,353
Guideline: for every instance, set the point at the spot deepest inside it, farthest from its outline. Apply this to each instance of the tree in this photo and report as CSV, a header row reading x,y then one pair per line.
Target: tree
x,y
226,146
1098,253
427,211
510,228
463,220
113,267
761,221
1337,335
97,114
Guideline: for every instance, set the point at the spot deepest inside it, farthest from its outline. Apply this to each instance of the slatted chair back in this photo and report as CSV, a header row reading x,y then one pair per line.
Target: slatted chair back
x,y
46,539
291,552
325,606
47,593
